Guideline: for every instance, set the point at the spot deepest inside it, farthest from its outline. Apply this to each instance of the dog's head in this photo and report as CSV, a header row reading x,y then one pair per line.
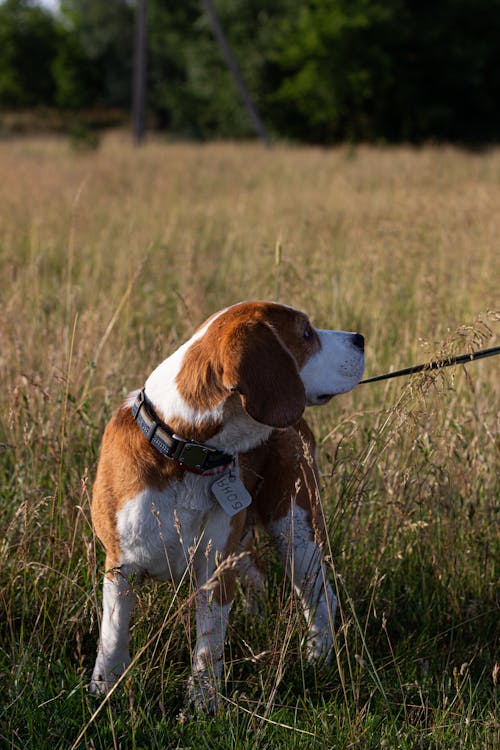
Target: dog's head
x,y
273,357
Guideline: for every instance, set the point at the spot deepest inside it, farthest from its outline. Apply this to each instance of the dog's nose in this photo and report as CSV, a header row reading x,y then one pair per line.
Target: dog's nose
x,y
358,341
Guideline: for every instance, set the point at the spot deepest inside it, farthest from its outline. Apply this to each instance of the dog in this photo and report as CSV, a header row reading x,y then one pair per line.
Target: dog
x,y
214,442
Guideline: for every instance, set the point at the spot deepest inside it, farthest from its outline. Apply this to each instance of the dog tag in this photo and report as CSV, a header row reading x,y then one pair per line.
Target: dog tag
x,y
231,493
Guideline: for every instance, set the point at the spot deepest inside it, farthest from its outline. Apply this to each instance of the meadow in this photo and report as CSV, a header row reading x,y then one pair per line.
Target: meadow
x,y
109,258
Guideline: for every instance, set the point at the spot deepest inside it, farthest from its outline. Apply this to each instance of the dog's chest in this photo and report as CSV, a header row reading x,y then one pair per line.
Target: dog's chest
x,y
163,532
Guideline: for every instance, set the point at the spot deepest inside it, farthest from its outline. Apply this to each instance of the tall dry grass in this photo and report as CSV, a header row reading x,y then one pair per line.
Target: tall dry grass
x,y
108,261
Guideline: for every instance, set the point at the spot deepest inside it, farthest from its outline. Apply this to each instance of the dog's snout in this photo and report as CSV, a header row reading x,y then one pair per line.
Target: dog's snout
x,y
358,341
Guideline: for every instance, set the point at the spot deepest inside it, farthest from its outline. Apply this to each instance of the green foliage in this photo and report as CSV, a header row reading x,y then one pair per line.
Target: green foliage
x,y
332,61
387,69
192,92
319,70
28,43
76,79
82,137
95,64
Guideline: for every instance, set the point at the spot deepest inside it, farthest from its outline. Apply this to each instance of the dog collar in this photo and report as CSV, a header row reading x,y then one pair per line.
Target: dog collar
x,y
190,455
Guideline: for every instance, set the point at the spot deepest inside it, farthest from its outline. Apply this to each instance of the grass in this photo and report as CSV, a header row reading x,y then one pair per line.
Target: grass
x,y
109,259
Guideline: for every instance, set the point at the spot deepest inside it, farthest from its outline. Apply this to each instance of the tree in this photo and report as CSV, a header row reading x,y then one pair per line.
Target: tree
x,y
28,45
191,90
318,70
94,64
331,68
387,69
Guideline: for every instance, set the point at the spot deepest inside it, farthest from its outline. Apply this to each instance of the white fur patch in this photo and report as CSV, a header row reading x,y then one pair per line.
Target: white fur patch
x,y
336,368
162,391
161,388
163,532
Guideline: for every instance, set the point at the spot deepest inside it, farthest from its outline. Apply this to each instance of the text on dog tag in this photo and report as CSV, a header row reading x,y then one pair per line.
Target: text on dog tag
x,y
231,493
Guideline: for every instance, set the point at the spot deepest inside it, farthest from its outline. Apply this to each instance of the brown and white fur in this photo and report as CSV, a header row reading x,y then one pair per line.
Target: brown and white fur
x,y
240,384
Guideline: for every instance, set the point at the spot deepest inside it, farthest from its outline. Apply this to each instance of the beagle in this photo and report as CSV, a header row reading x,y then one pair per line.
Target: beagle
x,y
214,442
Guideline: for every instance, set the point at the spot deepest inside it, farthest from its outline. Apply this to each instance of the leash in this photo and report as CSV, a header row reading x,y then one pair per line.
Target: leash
x,y
436,365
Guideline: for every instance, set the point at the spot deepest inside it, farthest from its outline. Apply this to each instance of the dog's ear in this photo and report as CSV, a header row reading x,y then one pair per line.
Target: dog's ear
x,y
259,366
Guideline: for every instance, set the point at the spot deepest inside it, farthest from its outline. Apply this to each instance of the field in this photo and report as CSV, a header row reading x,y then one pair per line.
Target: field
x,y
109,258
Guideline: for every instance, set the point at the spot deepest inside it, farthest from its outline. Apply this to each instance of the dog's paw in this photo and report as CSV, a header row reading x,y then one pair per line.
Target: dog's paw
x,y
202,694
103,677
100,687
319,650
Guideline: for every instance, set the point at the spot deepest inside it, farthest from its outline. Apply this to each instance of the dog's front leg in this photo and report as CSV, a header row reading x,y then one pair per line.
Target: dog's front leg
x,y
213,605
113,655
304,564
211,624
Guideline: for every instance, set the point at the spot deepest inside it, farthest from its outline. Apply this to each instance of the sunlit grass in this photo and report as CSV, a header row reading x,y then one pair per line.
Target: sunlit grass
x,y
108,261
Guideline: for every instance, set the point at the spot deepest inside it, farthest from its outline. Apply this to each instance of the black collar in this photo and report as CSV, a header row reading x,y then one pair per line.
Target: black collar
x,y
190,455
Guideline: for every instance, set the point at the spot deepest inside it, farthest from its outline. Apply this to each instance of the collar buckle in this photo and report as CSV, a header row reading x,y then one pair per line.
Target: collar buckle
x,y
191,455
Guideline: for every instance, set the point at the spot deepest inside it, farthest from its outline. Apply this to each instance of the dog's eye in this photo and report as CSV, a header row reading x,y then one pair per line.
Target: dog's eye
x,y
308,333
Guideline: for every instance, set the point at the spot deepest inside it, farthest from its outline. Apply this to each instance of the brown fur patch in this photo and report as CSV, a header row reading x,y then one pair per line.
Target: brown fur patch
x,y
282,468
224,591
